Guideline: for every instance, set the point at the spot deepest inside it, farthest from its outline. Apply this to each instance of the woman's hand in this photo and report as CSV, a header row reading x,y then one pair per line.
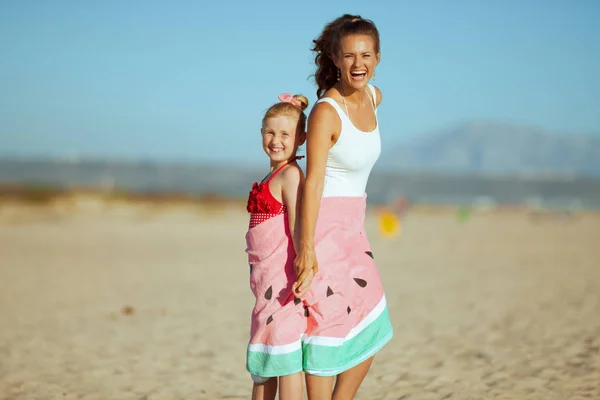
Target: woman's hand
x,y
306,267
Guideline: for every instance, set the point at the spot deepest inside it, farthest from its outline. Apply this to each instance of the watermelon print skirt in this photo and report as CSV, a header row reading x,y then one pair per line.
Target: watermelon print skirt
x,y
343,318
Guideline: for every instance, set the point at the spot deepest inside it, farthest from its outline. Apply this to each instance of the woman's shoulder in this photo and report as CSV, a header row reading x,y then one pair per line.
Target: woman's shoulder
x,y
378,95
332,93
323,106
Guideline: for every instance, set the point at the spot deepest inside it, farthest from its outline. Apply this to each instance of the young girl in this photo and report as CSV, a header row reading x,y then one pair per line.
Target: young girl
x,y
278,318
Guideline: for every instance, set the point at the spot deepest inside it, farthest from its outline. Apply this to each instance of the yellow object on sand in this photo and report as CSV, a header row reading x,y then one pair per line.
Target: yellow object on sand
x,y
389,224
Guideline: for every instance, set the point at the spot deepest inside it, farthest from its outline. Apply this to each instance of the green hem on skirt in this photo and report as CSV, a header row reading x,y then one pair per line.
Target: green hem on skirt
x,y
331,360
322,360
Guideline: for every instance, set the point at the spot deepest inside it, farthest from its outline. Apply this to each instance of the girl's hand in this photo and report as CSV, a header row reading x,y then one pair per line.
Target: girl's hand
x,y
306,267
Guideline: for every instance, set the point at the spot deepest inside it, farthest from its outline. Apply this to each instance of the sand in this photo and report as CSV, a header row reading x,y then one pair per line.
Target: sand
x,y
130,301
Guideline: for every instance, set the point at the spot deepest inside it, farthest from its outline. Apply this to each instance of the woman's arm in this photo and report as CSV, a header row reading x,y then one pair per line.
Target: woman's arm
x,y
323,123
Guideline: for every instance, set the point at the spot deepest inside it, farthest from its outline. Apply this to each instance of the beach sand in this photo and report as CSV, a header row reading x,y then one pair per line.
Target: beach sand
x,y
117,300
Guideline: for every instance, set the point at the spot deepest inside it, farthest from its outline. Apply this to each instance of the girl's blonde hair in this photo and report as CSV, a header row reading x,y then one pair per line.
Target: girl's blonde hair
x,y
293,109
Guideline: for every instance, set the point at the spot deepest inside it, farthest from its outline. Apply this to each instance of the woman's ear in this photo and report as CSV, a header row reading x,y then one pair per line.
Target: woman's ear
x,y
336,60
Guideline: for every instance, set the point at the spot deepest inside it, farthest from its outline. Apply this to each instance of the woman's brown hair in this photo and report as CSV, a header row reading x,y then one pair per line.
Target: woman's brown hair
x,y
327,46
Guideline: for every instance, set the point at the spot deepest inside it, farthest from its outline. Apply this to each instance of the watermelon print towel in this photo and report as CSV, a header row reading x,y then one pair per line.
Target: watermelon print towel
x,y
341,321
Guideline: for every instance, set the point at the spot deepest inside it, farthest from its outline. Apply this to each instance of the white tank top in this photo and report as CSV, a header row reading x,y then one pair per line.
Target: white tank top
x,y
352,157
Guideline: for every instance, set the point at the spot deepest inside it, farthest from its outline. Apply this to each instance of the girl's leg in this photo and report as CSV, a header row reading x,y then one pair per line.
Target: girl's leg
x,y
348,382
319,387
265,391
290,387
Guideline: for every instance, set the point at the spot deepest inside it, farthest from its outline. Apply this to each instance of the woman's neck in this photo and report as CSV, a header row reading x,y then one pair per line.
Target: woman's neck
x,y
358,97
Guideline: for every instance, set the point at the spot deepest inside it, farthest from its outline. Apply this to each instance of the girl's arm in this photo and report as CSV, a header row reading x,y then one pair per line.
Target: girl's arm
x,y
323,123
291,194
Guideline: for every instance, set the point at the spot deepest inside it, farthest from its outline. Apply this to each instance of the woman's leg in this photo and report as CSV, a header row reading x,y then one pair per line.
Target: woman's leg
x,y
265,391
348,382
319,387
290,387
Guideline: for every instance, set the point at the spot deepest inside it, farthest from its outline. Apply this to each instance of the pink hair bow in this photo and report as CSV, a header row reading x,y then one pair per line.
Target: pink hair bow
x,y
288,98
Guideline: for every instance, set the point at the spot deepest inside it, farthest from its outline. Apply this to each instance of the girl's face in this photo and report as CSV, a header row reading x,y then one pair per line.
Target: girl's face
x,y
357,60
279,138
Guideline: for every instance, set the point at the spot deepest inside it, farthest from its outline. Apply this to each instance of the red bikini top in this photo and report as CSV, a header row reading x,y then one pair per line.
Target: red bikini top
x,y
260,199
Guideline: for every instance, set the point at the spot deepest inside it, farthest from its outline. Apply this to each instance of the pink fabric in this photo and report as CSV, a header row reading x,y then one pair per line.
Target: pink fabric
x,y
346,288
288,98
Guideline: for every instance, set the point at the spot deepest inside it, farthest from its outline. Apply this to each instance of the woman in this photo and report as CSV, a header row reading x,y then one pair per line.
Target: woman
x,y
346,311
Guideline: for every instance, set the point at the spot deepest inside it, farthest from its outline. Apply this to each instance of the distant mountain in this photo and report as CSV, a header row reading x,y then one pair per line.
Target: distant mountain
x,y
495,148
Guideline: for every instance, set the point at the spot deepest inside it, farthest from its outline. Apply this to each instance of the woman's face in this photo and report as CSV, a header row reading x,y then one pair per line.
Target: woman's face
x,y
357,60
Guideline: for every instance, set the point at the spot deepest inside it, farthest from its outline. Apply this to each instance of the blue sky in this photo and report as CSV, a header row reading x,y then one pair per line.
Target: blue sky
x,y
190,79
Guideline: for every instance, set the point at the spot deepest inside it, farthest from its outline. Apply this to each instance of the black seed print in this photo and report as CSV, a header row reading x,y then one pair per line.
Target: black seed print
x,y
269,320
329,291
348,309
360,282
297,301
306,311
370,254
269,293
